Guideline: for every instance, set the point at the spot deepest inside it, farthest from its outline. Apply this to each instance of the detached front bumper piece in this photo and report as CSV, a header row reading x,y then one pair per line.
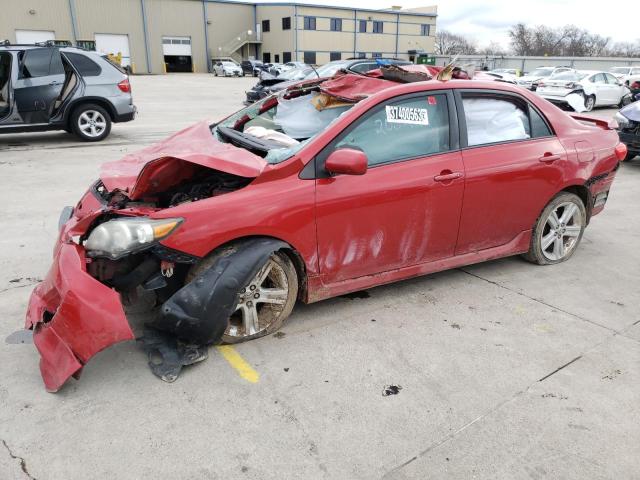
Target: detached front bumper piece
x,y
73,316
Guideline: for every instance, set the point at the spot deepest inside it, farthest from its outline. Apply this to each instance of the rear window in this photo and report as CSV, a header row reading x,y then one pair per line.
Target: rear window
x,y
84,65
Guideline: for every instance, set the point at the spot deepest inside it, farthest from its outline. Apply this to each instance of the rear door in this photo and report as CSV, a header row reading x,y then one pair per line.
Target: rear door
x,y
40,81
513,164
617,89
406,208
604,95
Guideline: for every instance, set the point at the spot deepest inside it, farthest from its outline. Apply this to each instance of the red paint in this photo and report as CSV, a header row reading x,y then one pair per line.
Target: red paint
x,y
395,221
347,161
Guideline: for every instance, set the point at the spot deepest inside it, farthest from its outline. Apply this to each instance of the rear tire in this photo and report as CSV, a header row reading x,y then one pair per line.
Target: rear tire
x,y
90,122
630,156
558,230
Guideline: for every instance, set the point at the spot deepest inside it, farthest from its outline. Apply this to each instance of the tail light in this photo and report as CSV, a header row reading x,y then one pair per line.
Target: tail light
x,y
125,86
541,84
621,151
570,85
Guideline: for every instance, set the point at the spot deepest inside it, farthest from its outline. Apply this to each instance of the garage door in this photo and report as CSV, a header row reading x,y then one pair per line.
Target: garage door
x,y
34,36
114,44
176,46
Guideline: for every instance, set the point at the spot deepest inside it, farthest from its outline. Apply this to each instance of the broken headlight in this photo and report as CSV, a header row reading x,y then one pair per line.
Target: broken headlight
x,y
622,121
122,236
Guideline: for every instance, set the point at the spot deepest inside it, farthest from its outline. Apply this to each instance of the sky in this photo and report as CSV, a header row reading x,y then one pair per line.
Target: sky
x,y
489,20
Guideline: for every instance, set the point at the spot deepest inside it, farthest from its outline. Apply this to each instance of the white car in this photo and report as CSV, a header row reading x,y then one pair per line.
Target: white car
x,y
227,69
626,75
592,88
511,71
531,79
292,65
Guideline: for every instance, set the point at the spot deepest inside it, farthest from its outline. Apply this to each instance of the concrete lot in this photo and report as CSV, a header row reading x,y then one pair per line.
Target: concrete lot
x,y
474,350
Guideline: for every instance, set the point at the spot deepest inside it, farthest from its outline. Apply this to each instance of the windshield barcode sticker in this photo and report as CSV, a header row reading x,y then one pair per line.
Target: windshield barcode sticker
x,y
411,115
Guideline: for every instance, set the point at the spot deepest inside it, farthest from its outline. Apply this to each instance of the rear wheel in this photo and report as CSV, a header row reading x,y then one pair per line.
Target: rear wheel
x,y
630,156
264,303
558,230
90,122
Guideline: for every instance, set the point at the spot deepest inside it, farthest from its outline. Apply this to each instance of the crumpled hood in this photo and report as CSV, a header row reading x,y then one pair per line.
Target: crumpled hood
x,y
632,111
195,144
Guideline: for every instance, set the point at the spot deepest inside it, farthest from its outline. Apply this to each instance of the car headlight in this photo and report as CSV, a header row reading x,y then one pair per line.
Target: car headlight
x,y
123,236
622,121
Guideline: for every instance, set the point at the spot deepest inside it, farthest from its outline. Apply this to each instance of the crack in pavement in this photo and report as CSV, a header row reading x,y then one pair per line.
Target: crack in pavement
x,y
23,462
19,286
537,300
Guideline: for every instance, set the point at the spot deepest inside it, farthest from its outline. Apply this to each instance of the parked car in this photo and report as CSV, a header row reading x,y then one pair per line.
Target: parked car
x,y
595,88
359,65
251,67
293,65
626,75
227,69
267,81
228,225
627,122
530,80
44,87
511,71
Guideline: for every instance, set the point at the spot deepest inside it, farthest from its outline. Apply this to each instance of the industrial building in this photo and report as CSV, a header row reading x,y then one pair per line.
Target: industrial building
x,y
157,36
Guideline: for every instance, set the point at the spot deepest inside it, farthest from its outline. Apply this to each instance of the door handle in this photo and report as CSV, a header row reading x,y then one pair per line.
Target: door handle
x,y
447,177
54,83
549,157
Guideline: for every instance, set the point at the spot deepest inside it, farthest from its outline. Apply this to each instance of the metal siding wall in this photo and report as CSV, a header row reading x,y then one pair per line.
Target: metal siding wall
x,y
114,16
530,63
227,22
277,40
49,15
175,18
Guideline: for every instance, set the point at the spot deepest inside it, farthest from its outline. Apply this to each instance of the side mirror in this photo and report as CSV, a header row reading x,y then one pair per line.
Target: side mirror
x,y
347,161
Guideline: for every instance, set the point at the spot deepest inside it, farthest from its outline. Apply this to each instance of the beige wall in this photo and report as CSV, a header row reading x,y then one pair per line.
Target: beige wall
x,y
226,22
52,15
277,41
117,17
178,18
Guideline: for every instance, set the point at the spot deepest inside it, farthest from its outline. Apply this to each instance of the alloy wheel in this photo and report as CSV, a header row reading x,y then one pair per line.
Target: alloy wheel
x,y
261,302
561,231
92,123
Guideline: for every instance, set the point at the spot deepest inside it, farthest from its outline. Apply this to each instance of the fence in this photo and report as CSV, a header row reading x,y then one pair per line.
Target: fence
x,y
526,64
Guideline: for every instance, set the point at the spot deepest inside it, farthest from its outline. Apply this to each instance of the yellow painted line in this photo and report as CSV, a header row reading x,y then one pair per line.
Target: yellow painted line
x,y
240,364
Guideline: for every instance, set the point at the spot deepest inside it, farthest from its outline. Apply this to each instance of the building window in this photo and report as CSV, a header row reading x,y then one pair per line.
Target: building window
x,y
266,25
286,57
376,55
361,55
363,26
424,30
266,57
286,23
336,24
335,56
378,26
309,23
276,58
310,58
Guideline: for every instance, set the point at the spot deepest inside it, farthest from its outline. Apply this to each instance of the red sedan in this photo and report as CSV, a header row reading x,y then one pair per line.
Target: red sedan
x,y
337,185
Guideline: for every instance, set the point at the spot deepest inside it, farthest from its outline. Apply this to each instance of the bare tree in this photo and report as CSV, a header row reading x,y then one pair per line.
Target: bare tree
x,y
623,49
448,43
493,49
569,40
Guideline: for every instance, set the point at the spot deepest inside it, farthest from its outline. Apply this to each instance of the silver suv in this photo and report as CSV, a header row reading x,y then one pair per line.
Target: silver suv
x,y
45,87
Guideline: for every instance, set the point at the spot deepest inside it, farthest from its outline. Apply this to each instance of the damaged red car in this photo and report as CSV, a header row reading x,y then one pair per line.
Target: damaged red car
x,y
336,185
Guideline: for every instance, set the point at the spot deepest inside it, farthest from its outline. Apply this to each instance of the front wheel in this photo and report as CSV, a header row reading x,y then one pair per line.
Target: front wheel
x,y
91,123
589,102
264,303
558,230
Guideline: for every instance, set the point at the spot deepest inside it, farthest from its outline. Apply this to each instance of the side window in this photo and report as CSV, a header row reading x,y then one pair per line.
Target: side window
x,y
401,129
84,65
635,71
364,67
494,119
611,79
599,78
539,128
36,62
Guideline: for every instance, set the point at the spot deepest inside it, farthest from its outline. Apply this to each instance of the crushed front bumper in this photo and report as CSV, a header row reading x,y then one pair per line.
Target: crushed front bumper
x,y
73,316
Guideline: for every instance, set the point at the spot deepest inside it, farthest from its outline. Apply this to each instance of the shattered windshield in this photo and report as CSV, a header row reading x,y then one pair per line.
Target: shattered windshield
x,y
277,128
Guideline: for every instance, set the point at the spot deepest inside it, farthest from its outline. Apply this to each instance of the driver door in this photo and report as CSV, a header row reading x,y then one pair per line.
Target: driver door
x,y
40,81
406,208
